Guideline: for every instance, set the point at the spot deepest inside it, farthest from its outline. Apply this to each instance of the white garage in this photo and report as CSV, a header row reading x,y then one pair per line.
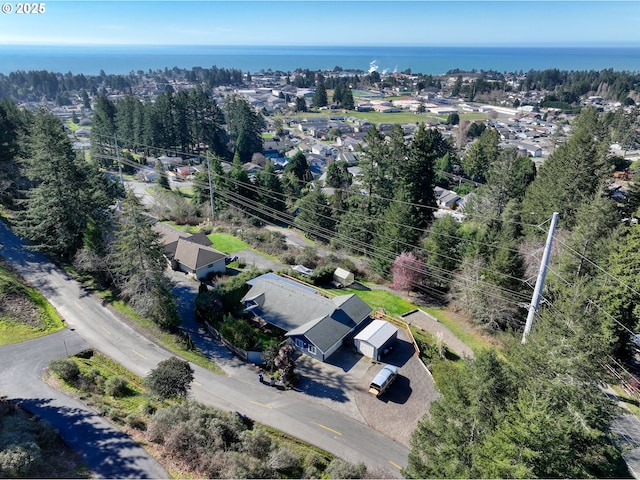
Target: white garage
x,y
375,338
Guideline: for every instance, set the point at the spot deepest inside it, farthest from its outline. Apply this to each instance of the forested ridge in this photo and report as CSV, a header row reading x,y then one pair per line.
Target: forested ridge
x,y
533,410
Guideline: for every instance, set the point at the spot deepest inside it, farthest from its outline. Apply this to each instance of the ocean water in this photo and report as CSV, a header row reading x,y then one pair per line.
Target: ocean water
x,y
429,60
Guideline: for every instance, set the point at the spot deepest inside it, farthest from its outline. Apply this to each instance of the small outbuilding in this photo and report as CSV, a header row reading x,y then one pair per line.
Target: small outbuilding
x,y
343,277
377,337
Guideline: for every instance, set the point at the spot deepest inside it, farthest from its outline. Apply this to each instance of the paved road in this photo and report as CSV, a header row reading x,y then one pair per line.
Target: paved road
x,y
106,451
316,424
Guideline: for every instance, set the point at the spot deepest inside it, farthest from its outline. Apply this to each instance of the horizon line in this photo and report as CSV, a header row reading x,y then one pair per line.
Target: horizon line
x,y
339,45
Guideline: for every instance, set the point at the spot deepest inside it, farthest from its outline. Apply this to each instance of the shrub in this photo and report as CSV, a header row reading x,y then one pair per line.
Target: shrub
x,y
269,354
307,257
322,275
256,443
239,333
115,386
314,464
171,378
18,460
114,413
340,469
147,408
66,369
135,421
284,460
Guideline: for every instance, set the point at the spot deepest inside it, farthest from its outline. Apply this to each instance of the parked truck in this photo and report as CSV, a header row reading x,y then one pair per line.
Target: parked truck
x,y
383,380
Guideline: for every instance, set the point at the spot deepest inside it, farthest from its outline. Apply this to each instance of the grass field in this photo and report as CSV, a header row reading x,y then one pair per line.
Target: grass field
x,y
373,117
227,243
392,304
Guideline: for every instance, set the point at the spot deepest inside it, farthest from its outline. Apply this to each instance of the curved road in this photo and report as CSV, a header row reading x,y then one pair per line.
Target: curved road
x,y
95,324
106,450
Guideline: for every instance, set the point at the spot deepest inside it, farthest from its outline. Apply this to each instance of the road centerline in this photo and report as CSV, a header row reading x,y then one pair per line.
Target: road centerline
x,y
327,428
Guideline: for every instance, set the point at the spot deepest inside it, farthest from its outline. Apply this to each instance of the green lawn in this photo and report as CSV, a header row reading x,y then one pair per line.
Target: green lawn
x,y
227,243
185,191
373,117
471,116
392,304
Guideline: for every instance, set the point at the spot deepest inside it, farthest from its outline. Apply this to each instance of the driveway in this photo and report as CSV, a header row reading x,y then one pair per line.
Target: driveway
x,y
342,384
249,257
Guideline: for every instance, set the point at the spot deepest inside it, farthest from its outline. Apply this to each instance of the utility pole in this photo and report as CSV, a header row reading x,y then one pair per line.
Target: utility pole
x,y
537,291
213,211
115,138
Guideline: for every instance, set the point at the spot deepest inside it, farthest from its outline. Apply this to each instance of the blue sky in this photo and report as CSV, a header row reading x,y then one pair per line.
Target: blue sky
x,y
364,22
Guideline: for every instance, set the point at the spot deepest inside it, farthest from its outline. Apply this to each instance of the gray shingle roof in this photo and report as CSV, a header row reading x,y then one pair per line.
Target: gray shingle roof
x,y
299,311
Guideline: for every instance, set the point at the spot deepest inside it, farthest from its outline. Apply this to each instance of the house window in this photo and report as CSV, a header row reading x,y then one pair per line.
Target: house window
x,y
312,349
210,265
298,343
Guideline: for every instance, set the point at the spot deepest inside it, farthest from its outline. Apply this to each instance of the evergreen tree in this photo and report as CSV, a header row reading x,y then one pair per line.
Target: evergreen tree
x,y
481,154
347,99
201,193
394,233
320,96
13,126
338,176
355,228
507,178
445,443
271,193
103,132
376,163
299,167
64,194
418,174
338,94
568,178
301,104
315,217
163,179
241,192
444,249
245,127
139,265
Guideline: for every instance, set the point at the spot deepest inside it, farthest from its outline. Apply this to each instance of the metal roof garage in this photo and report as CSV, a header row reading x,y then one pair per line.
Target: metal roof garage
x,y
375,338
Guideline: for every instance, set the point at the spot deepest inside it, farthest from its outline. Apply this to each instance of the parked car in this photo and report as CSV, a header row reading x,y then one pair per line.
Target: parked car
x,y
383,380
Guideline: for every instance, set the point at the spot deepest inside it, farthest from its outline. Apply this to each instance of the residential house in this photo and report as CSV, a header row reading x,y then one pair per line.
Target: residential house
x,y
446,198
191,254
315,325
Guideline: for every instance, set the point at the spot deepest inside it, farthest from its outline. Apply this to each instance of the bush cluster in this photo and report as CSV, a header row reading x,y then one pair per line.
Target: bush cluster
x,y
224,298
29,448
239,333
215,444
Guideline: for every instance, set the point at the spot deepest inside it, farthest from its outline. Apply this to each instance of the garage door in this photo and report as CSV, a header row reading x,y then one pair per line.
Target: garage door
x,y
366,349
